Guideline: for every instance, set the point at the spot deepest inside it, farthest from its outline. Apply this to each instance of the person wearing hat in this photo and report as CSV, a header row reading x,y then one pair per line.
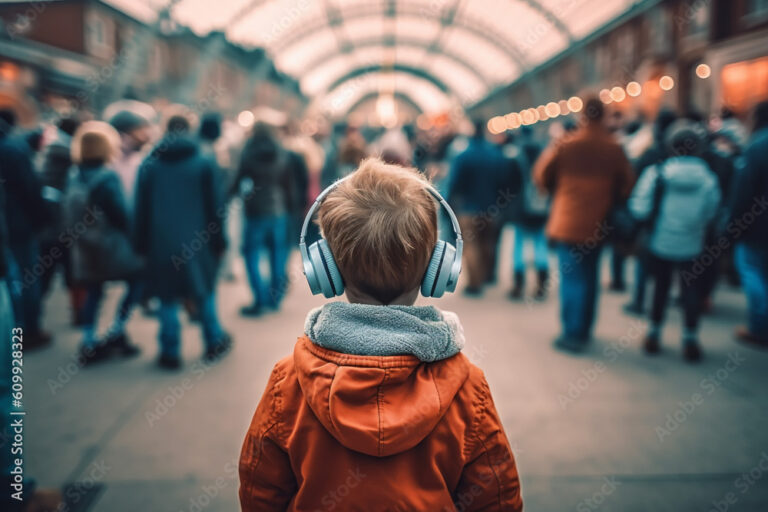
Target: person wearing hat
x,y
134,131
681,196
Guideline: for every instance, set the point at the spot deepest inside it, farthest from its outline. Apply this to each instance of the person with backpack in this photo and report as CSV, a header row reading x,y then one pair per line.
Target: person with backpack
x,y
98,233
688,202
655,154
264,183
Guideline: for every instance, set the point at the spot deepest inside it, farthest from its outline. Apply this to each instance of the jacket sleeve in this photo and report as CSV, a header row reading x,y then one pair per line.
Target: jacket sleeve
x,y
626,176
489,481
214,209
745,185
545,170
641,199
714,197
108,195
29,186
267,482
142,211
456,180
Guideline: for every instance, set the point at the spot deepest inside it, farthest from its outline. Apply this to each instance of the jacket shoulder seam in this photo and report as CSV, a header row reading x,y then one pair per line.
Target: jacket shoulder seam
x,y
480,405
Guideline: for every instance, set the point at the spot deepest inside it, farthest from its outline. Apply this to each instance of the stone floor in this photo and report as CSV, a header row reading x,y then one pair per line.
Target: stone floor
x,y
607,430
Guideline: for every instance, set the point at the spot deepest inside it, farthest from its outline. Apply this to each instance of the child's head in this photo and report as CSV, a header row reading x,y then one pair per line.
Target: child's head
x,y
381,226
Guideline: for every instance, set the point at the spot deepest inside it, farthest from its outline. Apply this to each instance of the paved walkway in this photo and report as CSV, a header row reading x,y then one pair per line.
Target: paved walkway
x,y
608,430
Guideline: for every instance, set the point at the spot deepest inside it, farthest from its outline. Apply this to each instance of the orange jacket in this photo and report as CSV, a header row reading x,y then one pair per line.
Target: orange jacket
x,y
587,174
376,433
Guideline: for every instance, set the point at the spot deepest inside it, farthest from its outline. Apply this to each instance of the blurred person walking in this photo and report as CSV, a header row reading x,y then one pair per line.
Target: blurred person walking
x,y
654,155
135,134
54,173
749,219
179,232
686,194
98,228
209,135
27,214
263,182
473,191
530,222
586,173
32,497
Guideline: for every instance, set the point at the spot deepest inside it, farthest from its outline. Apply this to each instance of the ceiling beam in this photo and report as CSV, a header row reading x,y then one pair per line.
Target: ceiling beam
x,y
376,68
401,42
365,11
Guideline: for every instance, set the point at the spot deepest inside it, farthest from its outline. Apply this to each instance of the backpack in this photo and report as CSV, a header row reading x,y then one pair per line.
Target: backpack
x,y
627,229
99,252
535,203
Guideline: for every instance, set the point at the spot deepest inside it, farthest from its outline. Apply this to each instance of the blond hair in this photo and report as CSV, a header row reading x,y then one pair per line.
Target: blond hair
x,y
381,226
95,141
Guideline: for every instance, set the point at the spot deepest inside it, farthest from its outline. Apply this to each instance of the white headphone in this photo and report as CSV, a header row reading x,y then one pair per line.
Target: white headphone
x,y
323,275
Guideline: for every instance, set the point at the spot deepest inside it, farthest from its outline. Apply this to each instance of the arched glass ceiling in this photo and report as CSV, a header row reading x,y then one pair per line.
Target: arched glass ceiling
x,y
463,48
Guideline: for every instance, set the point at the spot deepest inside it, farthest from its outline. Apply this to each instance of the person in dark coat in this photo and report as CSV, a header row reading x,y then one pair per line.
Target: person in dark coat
x,y
54,174
749,225
474,191
95,211
27,214
264,183
179,232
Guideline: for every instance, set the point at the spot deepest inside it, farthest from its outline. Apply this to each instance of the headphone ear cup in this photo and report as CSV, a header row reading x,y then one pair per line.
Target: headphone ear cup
x,y
334,276
444,274
433,269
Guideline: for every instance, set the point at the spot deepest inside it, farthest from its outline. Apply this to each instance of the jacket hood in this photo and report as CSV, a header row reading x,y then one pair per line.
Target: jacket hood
x,y
174,148
383,399
685,173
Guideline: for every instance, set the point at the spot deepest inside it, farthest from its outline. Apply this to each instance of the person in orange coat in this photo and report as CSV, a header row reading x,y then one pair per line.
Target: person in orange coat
x,y
377,409
587,174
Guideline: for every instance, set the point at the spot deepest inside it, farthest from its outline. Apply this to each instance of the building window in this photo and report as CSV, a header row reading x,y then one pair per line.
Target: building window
x,y
100,35
696,14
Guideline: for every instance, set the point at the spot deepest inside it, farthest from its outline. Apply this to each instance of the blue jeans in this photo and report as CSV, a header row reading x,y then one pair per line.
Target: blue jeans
x,y
266,234
170,326
539,241
752,264
90,312
578,266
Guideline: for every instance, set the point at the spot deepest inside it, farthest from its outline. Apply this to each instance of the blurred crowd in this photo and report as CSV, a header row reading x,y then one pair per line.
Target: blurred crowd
x,y
158,202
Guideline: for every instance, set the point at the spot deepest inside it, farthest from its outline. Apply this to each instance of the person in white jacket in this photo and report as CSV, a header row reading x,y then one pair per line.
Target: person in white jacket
x,y
678,198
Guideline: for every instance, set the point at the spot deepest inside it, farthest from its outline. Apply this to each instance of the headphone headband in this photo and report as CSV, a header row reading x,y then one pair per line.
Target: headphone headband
x,y
427,186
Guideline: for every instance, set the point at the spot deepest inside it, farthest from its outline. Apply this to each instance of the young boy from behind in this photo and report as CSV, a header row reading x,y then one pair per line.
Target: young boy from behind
x,y
377,409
